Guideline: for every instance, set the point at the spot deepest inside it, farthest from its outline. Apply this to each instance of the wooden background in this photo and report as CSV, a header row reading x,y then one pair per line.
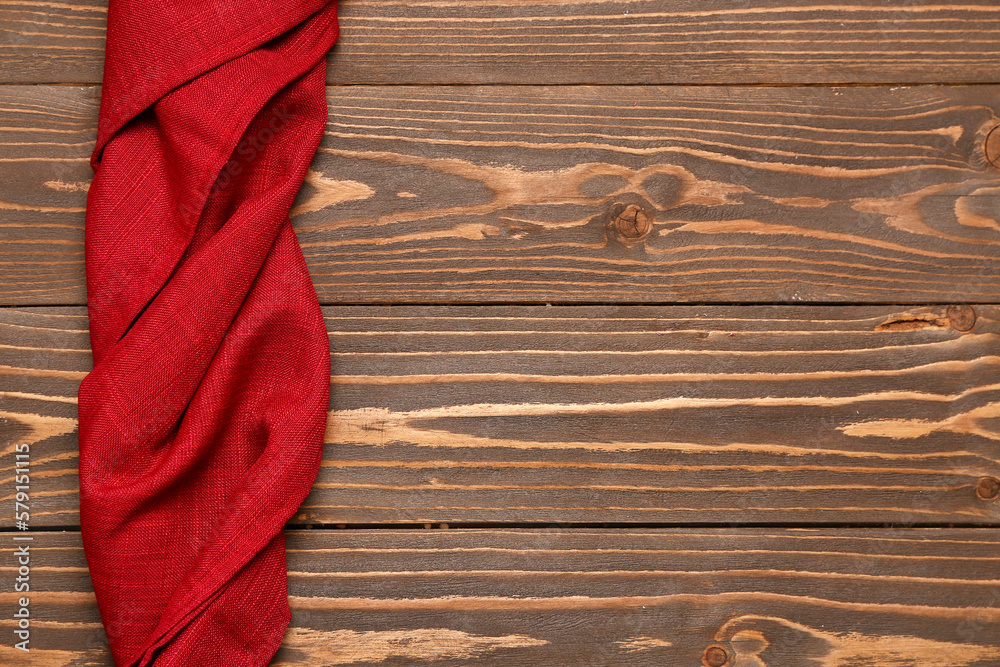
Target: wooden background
x,y
663,333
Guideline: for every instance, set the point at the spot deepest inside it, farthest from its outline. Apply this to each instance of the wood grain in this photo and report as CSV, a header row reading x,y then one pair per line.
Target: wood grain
x,y
596,42
768,598
510,194
574,414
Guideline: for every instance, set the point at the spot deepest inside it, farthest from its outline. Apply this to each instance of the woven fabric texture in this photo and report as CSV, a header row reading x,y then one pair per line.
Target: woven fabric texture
x,y
202,423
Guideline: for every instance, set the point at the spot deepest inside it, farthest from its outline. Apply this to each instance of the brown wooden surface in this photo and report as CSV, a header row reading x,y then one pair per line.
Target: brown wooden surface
x,y
597,42
602,414
487,412
788,598
500,194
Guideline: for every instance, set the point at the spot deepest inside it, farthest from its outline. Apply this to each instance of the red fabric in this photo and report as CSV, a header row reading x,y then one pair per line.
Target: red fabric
x,y
201,425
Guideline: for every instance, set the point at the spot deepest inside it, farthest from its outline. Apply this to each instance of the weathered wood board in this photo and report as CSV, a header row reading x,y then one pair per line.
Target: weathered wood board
x,y
595,42
764,597
630,414
513,194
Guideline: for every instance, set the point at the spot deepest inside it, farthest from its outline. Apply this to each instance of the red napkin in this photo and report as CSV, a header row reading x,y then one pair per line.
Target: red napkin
x,y
201,425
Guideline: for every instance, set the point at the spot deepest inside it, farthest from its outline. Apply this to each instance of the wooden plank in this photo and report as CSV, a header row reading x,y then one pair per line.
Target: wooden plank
x,y
601,414
596,42
513,194
765,597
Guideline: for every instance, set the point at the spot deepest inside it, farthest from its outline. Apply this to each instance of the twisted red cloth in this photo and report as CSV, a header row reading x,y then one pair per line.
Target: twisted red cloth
x,y
201,425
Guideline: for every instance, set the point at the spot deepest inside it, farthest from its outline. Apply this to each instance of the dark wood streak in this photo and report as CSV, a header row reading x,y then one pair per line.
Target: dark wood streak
x,y
600,414
767,597
511,194
596,42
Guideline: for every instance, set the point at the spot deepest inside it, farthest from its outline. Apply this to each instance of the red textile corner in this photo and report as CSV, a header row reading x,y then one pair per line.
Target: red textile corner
x,y
201,425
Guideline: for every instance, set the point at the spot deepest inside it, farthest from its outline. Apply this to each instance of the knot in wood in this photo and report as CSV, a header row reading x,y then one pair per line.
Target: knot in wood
x,y
992,146
715,656
633,222
962,318
988,488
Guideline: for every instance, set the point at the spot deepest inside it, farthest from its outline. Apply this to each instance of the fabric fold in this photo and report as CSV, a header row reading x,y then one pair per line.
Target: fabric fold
x,y
201,425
